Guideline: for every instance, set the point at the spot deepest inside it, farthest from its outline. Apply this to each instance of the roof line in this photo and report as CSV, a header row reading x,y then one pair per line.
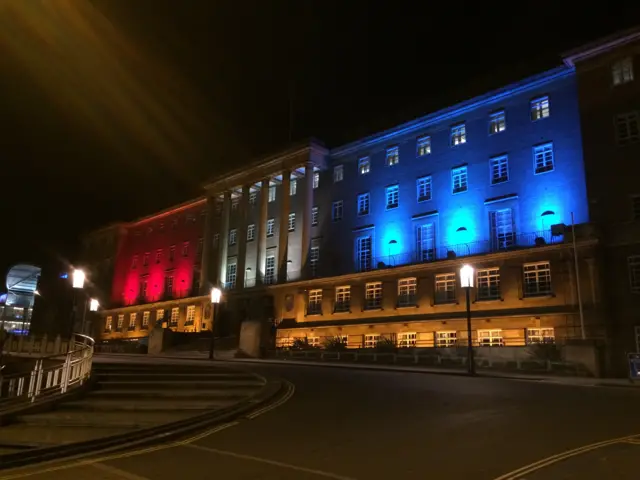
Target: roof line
x,y
600,46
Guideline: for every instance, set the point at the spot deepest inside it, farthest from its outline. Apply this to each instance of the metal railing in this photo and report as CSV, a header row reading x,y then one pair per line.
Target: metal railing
x,y
51,375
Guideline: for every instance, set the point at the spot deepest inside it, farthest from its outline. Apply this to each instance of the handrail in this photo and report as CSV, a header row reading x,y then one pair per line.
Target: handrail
x,y
69,371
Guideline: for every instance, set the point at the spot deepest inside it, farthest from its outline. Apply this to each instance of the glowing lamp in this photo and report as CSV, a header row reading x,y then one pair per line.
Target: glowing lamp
x,y
93,305
216,295
466,276
78,278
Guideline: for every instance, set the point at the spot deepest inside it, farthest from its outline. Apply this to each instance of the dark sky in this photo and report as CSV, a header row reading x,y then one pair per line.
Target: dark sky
x,y
112,109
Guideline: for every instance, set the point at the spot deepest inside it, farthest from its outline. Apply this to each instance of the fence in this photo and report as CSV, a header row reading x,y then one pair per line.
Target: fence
x,y
51,375
32,345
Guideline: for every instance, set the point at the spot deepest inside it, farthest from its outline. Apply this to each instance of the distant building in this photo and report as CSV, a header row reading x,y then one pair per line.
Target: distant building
x,y
16,306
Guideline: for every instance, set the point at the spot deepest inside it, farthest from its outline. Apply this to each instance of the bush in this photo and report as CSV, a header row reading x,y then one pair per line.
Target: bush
x,y
386,345
334,344
302,344
545,351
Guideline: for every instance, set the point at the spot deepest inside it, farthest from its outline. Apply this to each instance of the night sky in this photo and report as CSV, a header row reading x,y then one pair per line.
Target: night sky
x,y
112,109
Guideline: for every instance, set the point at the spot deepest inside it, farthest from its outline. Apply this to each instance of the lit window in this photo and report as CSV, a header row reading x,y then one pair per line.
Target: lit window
x,y
488,284
622,71
373,295
270,270
233,234
108,326
314,258
459,179
627,128
393,198
490,338
364,165
314,302
272,193
497,122
270,226
316,179
251,232
338,173
635,207
363,253
145,320
407,339
537,279
393,156
543,158
363,204
336,211
343,299
634,273
132,321
292,222
540,108
313,341
426,242
191,315
168,285
541,335
120,324
446,339
423,189
445,288
458,135
503,235
314,216
499,167
371,340
175,316
160,315
232,274
423,146
185,249
407,288
293,187
253,198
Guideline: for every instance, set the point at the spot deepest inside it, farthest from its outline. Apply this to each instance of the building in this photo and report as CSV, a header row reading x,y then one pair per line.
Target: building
x,y
608,83
16,306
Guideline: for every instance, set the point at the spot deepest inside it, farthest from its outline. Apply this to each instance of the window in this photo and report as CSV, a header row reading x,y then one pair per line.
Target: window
x,y
407,340
132,321
497,122
172,252
191,315
314,259
134,262
314,216
314,302
143,289
635,207
458,135
537,279
145,259
175,316
233,235
313,341
363,254
446,339
445,288
158,255
232,273
336,211
145,320
120,324
423,146
292,222
293,187
270,225
540,108
459,179
253,198
622,71
543,158
392,195
160,315
371,340
108,324
185,249
270,270
407,288
423,189
627,129
488,284
502,229
316,179
338,173
343,299
272,193
251,232
426,241
168,285
490,338
363,204
499,167
364,165
393,156
373,295
540,335
634,273
234,204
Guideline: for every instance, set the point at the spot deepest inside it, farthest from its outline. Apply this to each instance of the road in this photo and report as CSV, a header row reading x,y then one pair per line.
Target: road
x,y
353,424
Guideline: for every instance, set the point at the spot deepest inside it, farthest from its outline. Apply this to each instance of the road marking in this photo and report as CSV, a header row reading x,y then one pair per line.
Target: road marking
x,y
291,389
545,462
195,438
241,456
118,472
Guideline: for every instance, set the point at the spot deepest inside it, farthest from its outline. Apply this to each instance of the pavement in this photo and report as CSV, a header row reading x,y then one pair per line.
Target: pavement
x,y
347,424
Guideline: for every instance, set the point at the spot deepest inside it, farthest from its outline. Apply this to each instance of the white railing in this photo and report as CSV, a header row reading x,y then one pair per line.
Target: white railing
x,y
51,375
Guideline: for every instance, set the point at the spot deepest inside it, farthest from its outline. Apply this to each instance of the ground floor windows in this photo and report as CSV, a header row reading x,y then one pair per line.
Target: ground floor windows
x,y
145,320
175,315
371,340
540,335
490,338
446,339
191,315
405,340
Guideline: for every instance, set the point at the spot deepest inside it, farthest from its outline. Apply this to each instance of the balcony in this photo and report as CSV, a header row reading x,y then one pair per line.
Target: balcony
x,y
314,308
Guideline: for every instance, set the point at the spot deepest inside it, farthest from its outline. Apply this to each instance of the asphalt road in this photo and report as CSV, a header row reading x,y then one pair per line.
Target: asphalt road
x,y
353,424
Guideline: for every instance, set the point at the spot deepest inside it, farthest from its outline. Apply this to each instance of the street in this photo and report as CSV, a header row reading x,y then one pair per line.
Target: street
x,y
354,424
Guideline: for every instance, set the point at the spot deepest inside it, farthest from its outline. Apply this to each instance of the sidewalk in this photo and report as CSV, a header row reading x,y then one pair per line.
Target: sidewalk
x,y
562,380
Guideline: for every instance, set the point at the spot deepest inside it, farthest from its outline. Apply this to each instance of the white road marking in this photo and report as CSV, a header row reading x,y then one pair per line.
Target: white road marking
x,y
118,472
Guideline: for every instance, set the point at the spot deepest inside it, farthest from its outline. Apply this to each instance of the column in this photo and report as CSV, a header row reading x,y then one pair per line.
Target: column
x,y
207,246
242,237
283,240
305,244
262,231
223,243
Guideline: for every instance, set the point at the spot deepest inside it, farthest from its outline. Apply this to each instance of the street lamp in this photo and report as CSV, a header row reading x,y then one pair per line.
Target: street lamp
x,y
94,304
466,281
77,282
216,296
78,278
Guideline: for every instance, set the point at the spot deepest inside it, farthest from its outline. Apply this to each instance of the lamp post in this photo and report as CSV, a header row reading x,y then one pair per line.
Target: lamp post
x,y
77,282
94,305
466,281
216,295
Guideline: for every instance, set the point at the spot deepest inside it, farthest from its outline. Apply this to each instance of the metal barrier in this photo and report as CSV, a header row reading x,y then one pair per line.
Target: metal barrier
x,y
52,375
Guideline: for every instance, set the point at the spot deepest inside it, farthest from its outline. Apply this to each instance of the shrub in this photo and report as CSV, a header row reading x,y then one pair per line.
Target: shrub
x,y
386,345
334,344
